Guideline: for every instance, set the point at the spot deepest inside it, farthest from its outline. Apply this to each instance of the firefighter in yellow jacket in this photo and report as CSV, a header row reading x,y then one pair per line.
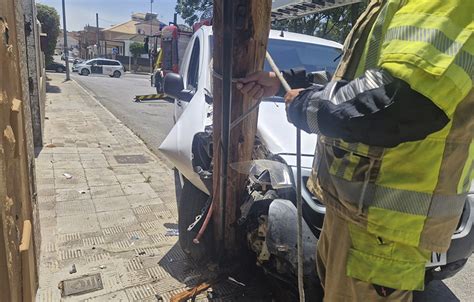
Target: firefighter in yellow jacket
x,y
394,159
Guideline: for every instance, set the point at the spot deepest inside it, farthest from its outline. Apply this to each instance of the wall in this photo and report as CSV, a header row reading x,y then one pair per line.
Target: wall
x,y
36,70
18,262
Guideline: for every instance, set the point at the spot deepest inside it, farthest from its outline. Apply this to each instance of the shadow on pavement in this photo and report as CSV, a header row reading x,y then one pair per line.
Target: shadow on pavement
x,y
185,270
52,88
436,291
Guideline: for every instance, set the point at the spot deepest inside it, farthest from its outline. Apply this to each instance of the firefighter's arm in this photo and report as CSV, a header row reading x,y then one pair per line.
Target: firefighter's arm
x,y
375,109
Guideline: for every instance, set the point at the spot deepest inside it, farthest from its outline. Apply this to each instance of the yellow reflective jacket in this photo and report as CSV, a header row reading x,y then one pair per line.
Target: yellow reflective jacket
x,y
412,194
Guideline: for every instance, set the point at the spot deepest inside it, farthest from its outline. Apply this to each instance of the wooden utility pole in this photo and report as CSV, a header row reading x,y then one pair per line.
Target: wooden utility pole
x,y
241,29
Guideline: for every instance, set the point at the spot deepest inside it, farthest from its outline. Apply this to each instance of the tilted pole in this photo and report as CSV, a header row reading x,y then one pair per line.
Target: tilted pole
x,y
66,50
241,29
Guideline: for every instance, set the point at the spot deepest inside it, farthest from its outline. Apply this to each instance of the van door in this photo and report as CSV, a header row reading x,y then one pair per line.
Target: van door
x,y
191,76
97,67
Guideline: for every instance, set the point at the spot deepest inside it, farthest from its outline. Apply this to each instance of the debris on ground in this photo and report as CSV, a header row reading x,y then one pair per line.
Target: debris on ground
x,y
73,269
190,293
67,175
172,232
102,266
233,280
50,146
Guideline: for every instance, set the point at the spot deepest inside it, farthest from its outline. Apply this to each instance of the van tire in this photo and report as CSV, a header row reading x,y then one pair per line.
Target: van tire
x,y
117,74
190,203
85,72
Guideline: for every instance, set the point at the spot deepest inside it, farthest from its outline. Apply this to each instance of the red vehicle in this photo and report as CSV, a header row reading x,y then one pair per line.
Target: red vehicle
x,y
173,43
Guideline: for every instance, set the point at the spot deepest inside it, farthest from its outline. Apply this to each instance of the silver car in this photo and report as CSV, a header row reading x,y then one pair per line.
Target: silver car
x,y
113,68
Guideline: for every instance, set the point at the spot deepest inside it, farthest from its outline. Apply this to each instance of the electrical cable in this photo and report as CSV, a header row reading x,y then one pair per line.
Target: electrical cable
x,y
299,202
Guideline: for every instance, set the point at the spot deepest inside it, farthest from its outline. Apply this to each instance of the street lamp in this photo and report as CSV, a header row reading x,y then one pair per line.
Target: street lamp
x,y
151,34
66,50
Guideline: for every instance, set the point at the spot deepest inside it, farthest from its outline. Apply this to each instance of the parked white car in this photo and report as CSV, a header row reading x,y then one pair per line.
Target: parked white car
x,y
113,68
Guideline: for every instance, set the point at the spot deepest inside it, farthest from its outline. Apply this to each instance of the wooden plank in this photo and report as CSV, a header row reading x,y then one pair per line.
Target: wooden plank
x,y
250,38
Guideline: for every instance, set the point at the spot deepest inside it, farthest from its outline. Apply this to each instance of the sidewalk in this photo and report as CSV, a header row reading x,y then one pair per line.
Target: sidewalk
x,y
106,203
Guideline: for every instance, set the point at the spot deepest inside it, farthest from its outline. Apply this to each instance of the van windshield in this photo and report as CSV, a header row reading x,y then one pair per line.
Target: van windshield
x,y
311,57
293,54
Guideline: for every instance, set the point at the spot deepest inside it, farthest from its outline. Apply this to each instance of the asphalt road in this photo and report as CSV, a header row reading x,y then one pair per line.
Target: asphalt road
x,y
152,120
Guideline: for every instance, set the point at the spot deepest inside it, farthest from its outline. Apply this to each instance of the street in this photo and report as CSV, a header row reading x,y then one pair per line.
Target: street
x,y
152,120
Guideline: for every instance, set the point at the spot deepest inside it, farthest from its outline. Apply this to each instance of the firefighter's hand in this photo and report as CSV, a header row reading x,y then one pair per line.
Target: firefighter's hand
x,y
259,84
291,95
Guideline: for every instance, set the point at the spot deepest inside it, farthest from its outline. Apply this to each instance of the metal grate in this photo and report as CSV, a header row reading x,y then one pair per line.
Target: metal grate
x,y
292,9
81,285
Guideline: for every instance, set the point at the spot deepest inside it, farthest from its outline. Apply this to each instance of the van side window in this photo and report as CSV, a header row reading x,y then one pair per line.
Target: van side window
x,y
193,71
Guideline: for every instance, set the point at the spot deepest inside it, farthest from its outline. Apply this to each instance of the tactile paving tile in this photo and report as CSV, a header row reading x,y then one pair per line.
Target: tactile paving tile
x,y
63,238
111,282
136,234
142,210
138,293
134,278
134,264
112,230
98,257
121,245
159,238
93,241
157,272
48,294
145,217
49,247
148,251
70,254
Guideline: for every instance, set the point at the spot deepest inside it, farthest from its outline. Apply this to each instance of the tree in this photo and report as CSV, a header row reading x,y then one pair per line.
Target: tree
x,y
334,24
137,49
49,19
190,9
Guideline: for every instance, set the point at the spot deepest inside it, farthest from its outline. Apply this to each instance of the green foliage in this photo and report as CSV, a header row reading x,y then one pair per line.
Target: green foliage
x,y
137,49
49,19
334,24
191,10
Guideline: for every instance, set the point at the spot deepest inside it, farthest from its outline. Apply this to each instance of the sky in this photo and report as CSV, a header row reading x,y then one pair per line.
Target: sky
x,y
82,12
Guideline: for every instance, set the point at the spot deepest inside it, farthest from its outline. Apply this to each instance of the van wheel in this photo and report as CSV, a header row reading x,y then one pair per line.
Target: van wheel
x,y
190,203
85,72
59,69
117,74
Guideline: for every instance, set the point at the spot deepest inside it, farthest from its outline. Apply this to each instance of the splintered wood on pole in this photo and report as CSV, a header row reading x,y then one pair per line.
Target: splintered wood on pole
x,y
246,25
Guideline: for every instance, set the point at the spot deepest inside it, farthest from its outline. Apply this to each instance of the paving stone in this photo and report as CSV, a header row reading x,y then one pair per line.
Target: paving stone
x,y
116,218
138,188
106,191
67,164
110,217
73,194
70,208
77,223
111,203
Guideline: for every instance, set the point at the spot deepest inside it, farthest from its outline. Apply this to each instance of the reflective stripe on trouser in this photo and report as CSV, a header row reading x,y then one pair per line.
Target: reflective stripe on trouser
x,y
341,283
